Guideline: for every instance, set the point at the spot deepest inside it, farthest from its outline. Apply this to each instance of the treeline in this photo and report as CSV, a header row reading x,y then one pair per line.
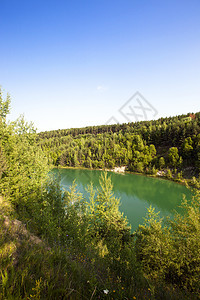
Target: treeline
x,y
170,144
58,245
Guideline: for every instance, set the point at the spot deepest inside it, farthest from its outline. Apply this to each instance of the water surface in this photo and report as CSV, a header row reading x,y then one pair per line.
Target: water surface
x,y
136,192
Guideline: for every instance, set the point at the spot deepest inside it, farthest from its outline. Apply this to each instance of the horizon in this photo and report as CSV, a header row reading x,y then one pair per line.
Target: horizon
x,y
75,65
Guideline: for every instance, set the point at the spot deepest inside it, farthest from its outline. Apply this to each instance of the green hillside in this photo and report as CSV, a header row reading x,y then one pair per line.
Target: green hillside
x,y
171,145
57,245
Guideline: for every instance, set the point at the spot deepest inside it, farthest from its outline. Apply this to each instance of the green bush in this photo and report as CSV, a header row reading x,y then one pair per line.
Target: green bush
x,y
170,254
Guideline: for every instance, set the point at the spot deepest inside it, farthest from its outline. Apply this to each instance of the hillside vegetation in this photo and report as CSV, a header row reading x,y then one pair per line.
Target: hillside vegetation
x,y
170,145
57,245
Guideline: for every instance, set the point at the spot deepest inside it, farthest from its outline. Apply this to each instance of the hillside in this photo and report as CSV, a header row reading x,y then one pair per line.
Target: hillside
x,y
171,145
56,245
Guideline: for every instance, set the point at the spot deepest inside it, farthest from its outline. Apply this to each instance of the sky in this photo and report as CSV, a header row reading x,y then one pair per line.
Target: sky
x,y
82,63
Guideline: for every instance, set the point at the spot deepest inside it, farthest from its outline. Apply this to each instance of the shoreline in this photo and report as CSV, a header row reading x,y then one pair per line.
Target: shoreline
x,y
122,170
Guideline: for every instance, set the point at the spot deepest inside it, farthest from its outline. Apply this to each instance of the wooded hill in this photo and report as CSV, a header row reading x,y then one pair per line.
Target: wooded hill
x,y
168,144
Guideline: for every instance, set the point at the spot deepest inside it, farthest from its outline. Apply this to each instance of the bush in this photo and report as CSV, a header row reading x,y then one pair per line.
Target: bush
x,y
170,254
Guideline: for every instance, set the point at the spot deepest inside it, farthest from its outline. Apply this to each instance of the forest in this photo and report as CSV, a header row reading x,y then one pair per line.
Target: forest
x,y
169,145
56,245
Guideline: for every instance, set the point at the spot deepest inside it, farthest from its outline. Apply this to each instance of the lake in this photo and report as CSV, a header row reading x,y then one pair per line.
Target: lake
x,y
136,192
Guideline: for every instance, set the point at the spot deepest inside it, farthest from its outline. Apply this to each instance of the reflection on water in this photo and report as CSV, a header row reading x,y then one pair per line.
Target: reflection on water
x,y
136,192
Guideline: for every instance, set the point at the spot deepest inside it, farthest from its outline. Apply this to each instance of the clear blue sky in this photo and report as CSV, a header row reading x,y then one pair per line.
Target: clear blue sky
x,y
75,63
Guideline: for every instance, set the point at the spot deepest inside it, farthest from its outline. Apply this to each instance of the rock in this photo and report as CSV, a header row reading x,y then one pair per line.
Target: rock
x,y
119,169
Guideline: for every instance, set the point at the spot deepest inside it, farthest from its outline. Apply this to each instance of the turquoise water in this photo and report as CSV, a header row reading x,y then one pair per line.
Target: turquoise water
x,y
136,192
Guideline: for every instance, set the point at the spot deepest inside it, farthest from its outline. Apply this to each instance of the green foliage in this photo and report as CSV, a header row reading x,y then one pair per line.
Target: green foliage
x,y
169,174
2,162
74,262
161,163
170,254
48,213
4,106
68,247
139,146
76,221
173,156
32,270
187,147
185,230
23,165
105,219
153,246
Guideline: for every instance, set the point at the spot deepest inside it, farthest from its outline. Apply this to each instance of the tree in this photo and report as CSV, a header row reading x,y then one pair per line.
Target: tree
x,y
161,163
76,221
152,150
4,106
26,165
173,156
169,252
153,245
106,222
187,147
